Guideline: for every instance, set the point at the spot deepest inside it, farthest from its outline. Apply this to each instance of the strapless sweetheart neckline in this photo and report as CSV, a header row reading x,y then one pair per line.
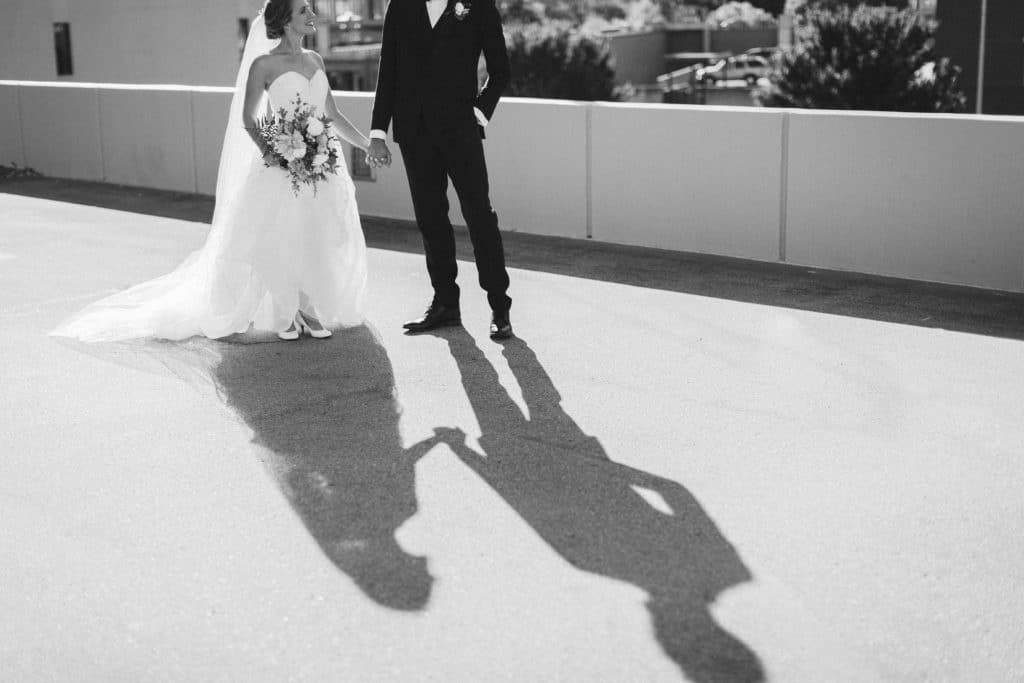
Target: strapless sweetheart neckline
x,y
308,79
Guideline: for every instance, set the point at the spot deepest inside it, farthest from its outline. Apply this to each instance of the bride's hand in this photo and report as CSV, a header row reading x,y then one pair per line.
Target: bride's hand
x,y
378,155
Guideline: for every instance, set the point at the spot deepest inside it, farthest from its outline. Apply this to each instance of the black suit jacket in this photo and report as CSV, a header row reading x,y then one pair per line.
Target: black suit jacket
x,y
432,72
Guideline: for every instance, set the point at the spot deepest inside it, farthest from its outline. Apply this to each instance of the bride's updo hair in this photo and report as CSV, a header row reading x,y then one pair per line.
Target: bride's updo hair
x,y
277,14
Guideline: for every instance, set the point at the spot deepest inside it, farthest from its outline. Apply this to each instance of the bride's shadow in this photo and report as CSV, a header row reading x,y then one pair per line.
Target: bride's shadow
x,y
590,510
326,415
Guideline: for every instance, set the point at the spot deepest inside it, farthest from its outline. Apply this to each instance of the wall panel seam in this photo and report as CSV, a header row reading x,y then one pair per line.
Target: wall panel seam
x,y
99,132
192,132
21,126
784,188
590,172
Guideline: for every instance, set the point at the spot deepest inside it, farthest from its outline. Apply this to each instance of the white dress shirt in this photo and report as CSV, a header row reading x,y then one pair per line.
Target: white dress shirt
x,y
435,8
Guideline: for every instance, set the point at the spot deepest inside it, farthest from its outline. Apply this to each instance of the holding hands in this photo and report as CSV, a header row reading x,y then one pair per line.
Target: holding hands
x,y
377,154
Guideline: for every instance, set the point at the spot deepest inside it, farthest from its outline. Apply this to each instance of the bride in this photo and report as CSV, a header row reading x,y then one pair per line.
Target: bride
x,y
273,260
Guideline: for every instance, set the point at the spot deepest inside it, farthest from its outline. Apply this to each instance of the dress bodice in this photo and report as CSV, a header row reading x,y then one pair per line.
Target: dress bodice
x,y
291,84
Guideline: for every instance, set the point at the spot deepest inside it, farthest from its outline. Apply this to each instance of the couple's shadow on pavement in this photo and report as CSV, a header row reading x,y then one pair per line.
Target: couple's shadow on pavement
x,y
327,414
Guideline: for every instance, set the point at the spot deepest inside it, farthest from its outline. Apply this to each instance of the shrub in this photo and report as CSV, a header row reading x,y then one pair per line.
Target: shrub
x,y
866,58
565,12
642,13
802,7
773,7
15,171
740,15
559,62
609,11
518,12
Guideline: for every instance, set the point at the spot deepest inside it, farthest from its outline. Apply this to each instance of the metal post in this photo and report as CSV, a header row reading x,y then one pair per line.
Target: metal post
x,y
980,97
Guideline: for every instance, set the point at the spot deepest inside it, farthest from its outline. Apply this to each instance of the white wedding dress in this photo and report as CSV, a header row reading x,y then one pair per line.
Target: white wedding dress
x,y
268,255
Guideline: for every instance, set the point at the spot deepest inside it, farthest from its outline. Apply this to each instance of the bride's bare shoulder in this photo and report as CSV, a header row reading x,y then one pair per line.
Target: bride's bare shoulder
x,y
265,62
264,66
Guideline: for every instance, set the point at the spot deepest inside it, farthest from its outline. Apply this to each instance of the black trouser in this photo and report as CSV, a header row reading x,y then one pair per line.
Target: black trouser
x,y
429,162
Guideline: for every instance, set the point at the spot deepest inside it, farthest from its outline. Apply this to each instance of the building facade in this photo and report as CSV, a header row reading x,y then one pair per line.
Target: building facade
x,y
959,38
349,40
171,41
121,41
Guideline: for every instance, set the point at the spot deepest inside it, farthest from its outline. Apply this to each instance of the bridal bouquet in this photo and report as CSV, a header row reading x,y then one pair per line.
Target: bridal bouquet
x,y
301,143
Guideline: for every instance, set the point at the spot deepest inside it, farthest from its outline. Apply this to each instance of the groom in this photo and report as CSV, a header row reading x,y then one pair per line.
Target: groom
x,y
427,86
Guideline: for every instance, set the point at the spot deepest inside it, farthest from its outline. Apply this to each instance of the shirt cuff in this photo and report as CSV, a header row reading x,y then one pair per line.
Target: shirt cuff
x,y
480,118
377,134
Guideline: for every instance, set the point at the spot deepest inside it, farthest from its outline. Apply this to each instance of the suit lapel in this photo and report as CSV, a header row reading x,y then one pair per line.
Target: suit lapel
x,y
423,17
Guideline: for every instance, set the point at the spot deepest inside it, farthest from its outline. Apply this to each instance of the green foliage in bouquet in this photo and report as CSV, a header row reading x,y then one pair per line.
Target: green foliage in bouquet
x,y
867,58
559,62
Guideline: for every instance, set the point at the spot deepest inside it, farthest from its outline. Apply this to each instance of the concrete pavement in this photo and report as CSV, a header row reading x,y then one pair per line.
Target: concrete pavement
x,y
676,473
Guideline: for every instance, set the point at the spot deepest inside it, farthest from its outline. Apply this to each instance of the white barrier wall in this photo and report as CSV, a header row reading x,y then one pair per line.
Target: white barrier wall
x,y
11,148
60,127
929,197
158,155
694,179
387,195
210,108
537,165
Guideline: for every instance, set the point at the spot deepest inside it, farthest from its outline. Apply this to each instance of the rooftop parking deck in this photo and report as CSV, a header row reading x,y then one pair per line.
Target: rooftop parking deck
x,y
683,467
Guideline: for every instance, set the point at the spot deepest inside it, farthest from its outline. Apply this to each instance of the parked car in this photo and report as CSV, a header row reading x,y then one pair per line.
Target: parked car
x,y
739,68
768,53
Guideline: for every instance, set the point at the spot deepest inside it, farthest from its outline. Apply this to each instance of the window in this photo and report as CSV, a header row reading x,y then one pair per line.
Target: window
x,y
62,47
359,169
344,79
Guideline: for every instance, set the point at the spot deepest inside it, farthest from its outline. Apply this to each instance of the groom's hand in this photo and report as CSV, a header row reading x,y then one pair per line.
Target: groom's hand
x,y
378,154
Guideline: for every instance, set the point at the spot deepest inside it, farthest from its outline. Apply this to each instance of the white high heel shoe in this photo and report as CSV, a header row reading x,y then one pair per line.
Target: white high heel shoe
x,y
292,333
320,332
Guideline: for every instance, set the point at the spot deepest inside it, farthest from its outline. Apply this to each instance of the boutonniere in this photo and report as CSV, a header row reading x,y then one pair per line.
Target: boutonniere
x,y
462,10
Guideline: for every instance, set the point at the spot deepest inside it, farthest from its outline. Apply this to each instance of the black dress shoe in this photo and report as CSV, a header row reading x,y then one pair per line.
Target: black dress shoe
x,y
501,326
436,315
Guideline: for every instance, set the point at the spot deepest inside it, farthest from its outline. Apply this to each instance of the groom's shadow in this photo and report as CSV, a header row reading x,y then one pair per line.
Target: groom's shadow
x,y
589,509
326,414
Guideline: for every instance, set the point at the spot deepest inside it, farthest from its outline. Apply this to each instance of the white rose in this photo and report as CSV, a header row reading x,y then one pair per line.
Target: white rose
x,y
319,160
315,127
